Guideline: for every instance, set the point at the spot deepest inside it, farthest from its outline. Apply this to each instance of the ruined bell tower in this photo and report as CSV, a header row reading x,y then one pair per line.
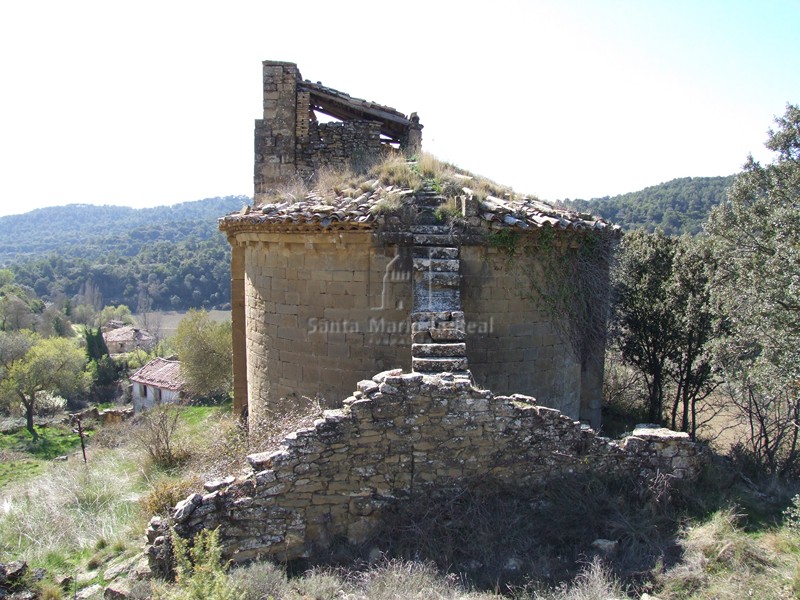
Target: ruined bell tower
x,y
290,142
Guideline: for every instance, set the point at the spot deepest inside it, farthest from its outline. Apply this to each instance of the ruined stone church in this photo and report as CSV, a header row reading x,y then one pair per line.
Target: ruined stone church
x,y
405,304
327,291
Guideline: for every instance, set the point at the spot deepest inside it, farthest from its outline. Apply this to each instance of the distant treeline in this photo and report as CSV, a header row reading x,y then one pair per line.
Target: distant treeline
x,y
676,207
170,257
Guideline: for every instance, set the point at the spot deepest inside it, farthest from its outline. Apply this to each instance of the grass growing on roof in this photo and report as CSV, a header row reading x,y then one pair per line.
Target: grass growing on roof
x,y
396,170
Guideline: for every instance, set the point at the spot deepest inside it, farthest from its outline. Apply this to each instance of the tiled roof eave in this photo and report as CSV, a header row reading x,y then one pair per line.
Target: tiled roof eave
x,y
233,227
173,387
235,224
317,213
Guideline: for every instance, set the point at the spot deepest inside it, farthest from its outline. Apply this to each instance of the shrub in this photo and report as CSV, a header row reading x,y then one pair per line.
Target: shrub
x,y
791,516
269,433
166,493
49,405
155,434
200,574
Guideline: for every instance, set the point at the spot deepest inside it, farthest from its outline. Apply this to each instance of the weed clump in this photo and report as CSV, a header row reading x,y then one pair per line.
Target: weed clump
x,y
166,493
395,170
155,433
448,211
390,205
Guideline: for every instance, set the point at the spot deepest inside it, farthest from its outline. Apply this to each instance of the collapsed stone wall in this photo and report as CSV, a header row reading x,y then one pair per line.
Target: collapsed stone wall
x,y
397,438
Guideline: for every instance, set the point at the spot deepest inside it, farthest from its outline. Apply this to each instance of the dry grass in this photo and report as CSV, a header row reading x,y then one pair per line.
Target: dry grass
x,y
72,509
390,580
721,560
395,170
401,580
339,182
431,167
594,582
294,191
166,492
535,546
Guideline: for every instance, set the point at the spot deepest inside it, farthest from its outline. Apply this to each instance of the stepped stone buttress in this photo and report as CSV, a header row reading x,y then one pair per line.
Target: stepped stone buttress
x,y
438,327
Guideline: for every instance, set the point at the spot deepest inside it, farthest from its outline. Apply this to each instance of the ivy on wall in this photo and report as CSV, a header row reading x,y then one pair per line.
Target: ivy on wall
x,y
567,275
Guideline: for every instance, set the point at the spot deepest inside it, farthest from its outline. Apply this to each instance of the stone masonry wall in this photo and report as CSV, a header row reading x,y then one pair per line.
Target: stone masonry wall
x,y
511,345
274,138
398,437
336,145
322,311
290,144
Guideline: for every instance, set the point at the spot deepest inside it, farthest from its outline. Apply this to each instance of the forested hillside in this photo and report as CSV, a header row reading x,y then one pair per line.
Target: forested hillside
x,y
676,207
169,257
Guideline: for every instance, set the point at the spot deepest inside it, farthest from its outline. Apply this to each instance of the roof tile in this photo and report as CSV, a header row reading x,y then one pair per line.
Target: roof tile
x,y
161,373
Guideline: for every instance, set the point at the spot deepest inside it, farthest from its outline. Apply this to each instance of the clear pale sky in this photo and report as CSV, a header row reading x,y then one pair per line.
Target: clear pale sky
x,y
147,103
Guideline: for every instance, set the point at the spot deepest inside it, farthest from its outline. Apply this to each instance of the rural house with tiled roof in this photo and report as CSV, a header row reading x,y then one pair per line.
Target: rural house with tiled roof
x,y
127,338
157,382
444,273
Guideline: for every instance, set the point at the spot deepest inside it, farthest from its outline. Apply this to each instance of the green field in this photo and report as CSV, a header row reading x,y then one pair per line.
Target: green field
x,y
23,458
165,322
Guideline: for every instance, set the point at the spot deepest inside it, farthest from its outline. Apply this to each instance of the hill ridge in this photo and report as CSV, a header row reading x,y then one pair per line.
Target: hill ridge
x,y
168,257
677,206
